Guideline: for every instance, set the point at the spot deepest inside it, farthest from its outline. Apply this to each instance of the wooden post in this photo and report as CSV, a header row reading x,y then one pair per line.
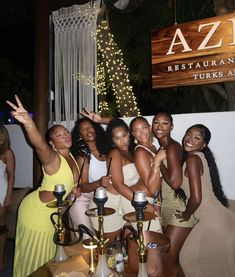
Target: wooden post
x,y
41,82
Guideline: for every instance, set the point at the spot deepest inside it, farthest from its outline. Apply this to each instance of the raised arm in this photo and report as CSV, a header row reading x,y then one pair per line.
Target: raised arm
x,y
148,170
96,117
173,173
46,155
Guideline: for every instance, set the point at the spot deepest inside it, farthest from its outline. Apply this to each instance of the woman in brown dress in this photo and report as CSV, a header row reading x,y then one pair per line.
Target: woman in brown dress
x,y
209,250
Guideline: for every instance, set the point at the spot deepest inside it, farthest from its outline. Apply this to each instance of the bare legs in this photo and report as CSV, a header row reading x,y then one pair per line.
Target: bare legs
x,y
177,236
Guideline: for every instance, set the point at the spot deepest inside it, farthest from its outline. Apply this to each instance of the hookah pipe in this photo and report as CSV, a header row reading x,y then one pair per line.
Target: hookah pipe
x,y
139,202
59,235
62,221
100,199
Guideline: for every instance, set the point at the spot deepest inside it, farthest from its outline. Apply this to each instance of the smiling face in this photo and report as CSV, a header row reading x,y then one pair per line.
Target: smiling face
x,y
141,131
60,138
193,140
162,125
121,138
87,131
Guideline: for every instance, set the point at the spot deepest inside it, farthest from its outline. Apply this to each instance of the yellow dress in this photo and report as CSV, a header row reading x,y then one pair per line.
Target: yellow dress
x,y
34,244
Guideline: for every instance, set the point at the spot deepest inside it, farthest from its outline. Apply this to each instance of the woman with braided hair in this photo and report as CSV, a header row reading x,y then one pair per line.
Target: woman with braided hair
x,y
209,250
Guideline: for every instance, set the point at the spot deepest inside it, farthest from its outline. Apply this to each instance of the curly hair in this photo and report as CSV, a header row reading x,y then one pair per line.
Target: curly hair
x,y
214,173
80,147
115,123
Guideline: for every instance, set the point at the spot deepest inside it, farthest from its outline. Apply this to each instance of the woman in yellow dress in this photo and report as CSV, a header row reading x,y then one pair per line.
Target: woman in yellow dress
x,y
34,244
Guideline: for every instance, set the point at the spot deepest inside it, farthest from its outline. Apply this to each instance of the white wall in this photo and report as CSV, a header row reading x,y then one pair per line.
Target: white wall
x,y
221,125
24,157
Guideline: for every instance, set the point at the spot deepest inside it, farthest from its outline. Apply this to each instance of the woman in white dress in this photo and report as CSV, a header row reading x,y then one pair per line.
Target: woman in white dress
x,y
7,178
89,148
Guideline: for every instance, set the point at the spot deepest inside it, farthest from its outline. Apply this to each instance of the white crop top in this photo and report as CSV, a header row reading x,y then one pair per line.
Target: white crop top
x,y
97,169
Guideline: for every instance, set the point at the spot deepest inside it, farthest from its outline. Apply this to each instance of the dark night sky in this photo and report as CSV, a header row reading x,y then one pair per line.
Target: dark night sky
x,y
16,52
17,31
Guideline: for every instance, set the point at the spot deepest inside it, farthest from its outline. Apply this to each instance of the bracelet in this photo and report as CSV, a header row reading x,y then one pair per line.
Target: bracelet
x,y
156,168
159,203
28,126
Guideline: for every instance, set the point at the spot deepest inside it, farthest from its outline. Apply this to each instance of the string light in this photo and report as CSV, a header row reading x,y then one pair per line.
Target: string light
x,y
110,66
110,61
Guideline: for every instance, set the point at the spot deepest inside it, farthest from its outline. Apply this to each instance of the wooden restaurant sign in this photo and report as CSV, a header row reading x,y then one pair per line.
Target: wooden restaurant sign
x,y
198,52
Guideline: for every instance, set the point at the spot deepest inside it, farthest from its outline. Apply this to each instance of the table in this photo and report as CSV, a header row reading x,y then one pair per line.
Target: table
x,y
73,251
45,272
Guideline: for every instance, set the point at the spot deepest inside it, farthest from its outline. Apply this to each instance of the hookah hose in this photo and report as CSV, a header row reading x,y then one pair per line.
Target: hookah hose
x,y
81,229
153,203
65,216
109,165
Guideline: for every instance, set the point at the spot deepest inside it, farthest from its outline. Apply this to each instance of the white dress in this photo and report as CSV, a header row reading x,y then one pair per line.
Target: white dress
x,y
97,169
3,181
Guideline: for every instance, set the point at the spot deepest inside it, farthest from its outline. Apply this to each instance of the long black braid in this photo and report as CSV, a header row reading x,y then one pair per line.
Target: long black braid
x,y
214,173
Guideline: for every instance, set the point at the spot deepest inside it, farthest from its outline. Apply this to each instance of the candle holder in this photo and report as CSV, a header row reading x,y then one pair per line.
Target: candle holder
x,y
100,198
139,202
91,245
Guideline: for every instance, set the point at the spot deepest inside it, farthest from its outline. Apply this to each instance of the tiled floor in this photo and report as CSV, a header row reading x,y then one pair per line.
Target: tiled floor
x,y
9,256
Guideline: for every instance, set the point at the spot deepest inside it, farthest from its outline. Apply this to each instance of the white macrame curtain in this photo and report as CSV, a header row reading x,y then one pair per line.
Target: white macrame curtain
x,y
75,63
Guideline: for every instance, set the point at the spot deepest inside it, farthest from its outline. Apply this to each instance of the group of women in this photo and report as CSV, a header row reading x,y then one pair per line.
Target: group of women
x,y
181,183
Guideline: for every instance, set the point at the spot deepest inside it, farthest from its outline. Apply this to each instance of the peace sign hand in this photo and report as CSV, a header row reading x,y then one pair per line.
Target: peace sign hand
x,y
96,117
20,113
